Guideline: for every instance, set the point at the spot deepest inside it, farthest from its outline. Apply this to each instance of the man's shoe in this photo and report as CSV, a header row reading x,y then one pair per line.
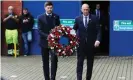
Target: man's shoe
x,y
9,55
25,55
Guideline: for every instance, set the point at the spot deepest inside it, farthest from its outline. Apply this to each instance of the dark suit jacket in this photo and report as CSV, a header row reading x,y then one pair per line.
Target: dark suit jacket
x,y
89,35
44,29
101,20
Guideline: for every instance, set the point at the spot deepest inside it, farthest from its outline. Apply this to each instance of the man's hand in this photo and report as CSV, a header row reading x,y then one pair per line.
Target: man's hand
x,y
5,19
97,43
10,16
24,21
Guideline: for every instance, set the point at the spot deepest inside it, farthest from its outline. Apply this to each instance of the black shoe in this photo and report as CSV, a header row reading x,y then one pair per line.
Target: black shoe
x,y
52,78
9,55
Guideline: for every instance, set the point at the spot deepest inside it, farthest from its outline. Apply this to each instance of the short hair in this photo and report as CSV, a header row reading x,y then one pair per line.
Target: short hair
x,y
97,4
85,4
25,9
48,3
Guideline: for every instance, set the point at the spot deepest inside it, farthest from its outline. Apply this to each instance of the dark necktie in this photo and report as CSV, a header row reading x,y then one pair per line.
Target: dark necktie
x,y
49,15
86,22
98,12
86,26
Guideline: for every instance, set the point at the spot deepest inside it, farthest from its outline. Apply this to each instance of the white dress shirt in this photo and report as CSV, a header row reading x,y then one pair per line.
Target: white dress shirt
x,y
84,19
48,14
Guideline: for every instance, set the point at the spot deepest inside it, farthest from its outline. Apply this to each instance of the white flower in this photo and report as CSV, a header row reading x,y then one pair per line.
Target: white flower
x,y
51,35
62,26
16,16
73,32
59,50
67,28
71,42
59,30
66,33
63,52
52,47
52,39
71,50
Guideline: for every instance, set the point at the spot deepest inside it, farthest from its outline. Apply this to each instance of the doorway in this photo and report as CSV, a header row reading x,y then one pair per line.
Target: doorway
x,y
103,50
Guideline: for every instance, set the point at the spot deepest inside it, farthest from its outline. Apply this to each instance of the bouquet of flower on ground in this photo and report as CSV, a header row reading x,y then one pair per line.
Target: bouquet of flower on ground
x,y
63,40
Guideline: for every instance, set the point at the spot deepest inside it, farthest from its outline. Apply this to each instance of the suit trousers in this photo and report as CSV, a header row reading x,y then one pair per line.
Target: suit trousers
x,y
45,58
81,54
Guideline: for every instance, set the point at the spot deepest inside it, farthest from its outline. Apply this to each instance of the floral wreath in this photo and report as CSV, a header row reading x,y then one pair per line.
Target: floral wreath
x,y
56,34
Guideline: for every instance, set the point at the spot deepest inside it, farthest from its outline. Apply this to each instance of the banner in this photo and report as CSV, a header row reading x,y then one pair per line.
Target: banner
x,y
65,22
123,25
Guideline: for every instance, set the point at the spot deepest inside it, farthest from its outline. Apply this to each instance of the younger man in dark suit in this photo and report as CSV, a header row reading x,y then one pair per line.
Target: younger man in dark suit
x,y
46,22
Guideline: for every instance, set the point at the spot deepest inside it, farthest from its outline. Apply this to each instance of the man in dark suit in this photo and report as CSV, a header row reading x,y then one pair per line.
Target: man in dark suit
x,y
98,12
46,22
102,23
88,31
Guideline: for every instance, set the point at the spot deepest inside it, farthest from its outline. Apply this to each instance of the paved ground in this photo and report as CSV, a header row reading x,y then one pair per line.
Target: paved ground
x,y
30,68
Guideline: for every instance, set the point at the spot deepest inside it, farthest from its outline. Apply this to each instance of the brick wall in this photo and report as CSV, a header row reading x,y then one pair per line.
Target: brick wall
x,y
17,9
16,4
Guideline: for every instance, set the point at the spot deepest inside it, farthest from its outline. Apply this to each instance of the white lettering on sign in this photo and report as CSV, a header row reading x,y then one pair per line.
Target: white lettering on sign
x,y
129,23
69,21
64,21
123,22
126,23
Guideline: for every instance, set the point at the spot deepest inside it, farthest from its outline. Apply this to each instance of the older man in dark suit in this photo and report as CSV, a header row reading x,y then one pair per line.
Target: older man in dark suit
x,y
46,22
88,31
